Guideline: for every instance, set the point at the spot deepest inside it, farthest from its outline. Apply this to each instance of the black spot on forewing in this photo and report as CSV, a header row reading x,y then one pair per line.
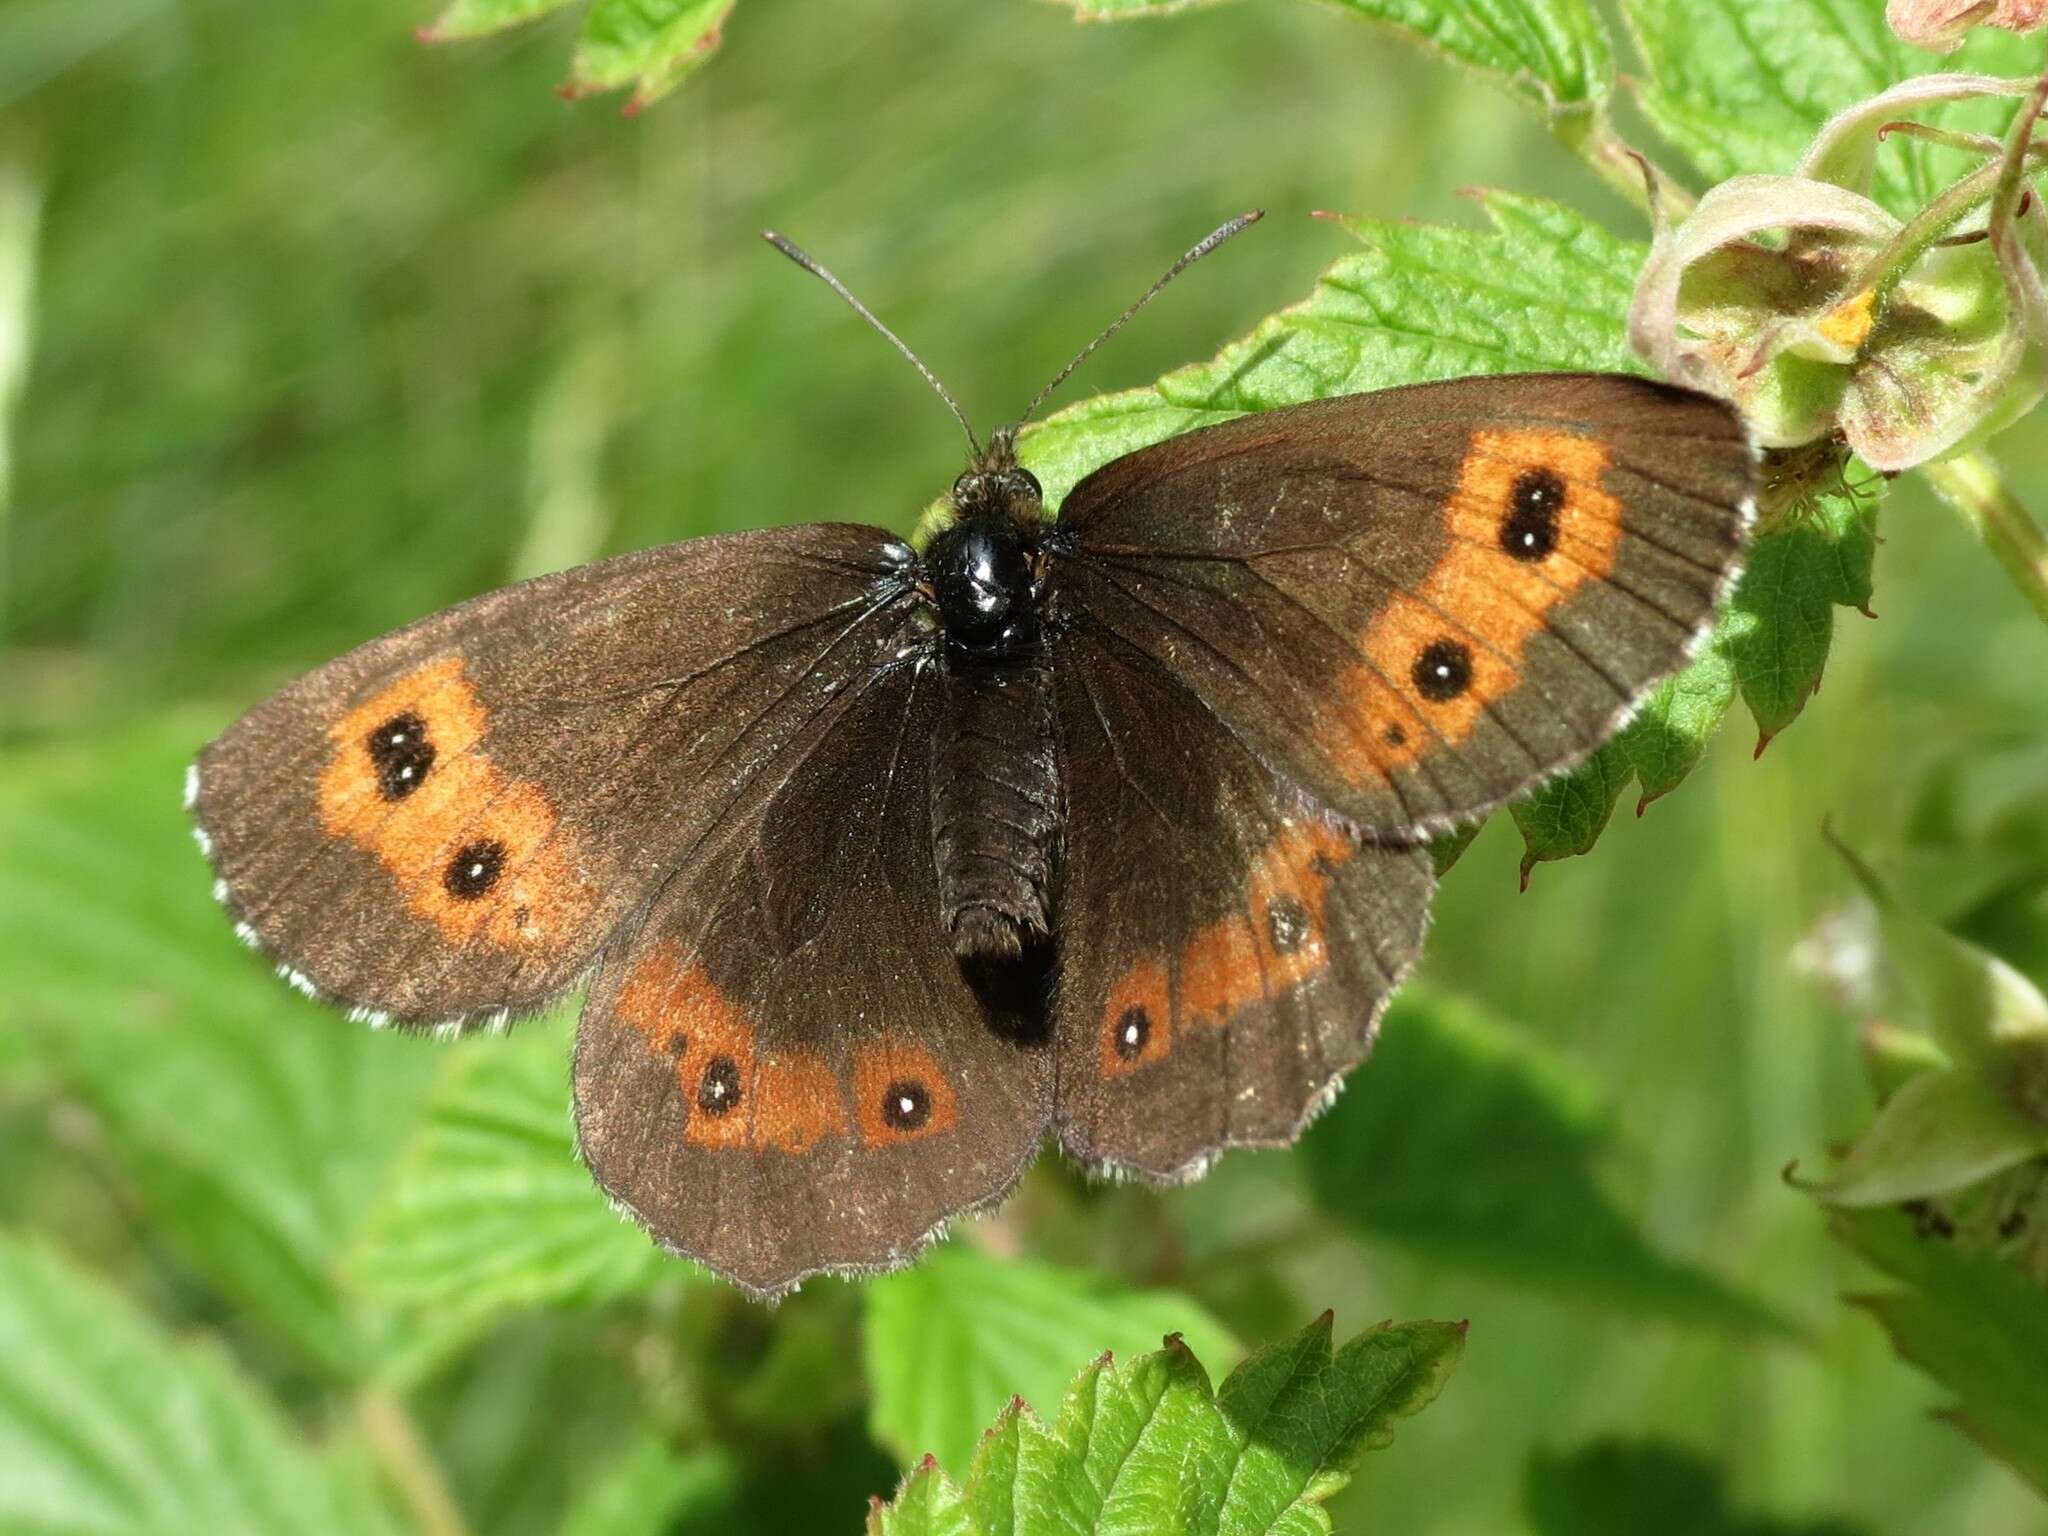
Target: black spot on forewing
x,y
474,869
401,754
906,1104
718,1091
1133,1029
1443,670
1529,531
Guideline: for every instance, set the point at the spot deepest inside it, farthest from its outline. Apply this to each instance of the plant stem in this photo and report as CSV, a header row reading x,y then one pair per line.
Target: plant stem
x,y
1970,483
404,1458
1590,135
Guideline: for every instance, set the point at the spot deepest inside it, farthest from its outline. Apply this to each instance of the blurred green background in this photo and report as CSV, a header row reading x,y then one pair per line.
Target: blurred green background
x,y
327,329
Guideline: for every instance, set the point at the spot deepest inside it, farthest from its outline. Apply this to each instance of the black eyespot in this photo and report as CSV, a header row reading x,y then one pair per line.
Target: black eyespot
x,y
1394,736
906,1104
1443,670
1287,925
718,1091
1133,1029
401,754
474,869
1529,531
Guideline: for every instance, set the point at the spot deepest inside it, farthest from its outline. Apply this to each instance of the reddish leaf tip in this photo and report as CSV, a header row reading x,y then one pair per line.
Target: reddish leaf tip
x,y
427,34
1763,739
633,108
929,1464
1529,862
1642,805
1866,610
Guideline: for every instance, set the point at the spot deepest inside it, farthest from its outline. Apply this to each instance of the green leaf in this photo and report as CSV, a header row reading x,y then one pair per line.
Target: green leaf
x,y
255,1126
491,1211
651,1489
1545,287
649,45
1741,86
1555,52
1566,815
1147,1447
1468,1146
949,1342
108,1427
1942,1131
1973,1323
1618,1487
480,18
1781,620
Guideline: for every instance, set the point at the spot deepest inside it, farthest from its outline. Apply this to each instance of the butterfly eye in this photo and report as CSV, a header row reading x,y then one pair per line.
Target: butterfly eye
x,y
1026,483
965,488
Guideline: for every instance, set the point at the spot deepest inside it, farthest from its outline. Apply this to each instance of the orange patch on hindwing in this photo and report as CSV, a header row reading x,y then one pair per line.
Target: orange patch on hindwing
x,y
900,1093
1528,523
1137,1023
733,1094
1277,940
475,852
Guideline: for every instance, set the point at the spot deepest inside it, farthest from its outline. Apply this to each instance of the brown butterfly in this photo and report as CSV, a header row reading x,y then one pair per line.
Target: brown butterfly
x,y
886,863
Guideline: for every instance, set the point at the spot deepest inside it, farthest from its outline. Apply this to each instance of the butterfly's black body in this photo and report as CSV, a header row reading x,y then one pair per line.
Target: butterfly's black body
x,y
995,773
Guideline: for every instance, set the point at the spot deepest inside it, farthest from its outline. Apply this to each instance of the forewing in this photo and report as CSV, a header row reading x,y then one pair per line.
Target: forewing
x,y
1224,950
1417,603
448,822
781,1069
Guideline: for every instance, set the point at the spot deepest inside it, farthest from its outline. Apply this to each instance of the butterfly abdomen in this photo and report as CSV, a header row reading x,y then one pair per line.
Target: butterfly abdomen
x,y
995,807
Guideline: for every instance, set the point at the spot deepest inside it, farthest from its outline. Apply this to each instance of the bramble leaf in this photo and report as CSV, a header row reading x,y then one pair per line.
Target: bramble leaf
x,y
107,1426
1555,52
1148,1446
949,1342
1743,85
1974,1323
1465,1144
1544,288
254,1125
649,45
491,1211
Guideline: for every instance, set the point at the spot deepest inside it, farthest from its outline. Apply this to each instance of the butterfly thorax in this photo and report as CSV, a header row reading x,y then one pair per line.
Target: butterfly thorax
x,y
995,802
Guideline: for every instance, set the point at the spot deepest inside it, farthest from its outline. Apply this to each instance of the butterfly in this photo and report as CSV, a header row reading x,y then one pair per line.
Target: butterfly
x,y
884,864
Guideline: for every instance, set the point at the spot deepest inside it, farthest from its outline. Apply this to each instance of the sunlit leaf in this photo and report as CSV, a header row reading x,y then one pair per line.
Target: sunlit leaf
x,y
1743,85
491,1210
1555,51
108,1427
1467,1145
952,1340
1146,1446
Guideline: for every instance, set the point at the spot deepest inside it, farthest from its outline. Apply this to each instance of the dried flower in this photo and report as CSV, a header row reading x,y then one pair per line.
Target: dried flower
x,y
1939,25
1823,315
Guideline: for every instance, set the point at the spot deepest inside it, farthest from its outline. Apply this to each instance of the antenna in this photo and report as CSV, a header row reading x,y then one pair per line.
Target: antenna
x,y
804,259
1201,248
